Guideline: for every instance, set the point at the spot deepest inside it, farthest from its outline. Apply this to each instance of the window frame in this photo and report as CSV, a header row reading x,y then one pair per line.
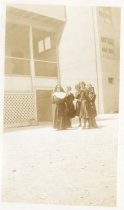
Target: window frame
x,y
31,59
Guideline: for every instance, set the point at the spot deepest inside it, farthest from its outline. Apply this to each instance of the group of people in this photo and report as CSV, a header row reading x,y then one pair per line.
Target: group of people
x,y
69,105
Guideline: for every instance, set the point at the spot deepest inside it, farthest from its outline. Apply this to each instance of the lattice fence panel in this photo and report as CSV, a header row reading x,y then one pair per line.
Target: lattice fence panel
x,y
18,109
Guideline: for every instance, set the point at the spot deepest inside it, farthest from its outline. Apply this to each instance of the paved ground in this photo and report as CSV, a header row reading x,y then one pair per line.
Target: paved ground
x,y
73,167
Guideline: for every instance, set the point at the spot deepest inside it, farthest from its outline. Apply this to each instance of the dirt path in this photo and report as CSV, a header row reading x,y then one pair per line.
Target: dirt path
x,y
74,167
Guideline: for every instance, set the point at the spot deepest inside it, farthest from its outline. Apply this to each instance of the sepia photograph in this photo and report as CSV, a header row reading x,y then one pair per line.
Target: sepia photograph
x,y
61,104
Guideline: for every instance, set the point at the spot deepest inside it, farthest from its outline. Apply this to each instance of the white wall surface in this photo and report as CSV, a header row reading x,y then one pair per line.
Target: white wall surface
x,y
77,48
110,91
17,84
45,83
25,84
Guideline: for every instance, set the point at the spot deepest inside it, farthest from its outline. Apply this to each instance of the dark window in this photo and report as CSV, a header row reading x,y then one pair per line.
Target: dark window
x,y
104,49
107,47
44,45
110,80
111,51
105,14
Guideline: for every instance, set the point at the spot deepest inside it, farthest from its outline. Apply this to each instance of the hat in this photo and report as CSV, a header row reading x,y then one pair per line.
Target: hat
x,y
82,83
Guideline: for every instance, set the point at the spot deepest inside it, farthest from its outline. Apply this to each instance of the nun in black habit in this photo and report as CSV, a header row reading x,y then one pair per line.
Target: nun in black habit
x,y
61,120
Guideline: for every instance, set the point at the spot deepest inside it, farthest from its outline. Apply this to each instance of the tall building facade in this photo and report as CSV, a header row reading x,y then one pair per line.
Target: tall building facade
x,y
46,45
89,51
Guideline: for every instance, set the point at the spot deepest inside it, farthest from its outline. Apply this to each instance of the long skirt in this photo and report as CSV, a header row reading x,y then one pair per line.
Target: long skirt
x,y
61,120
78,106
93,114
84,109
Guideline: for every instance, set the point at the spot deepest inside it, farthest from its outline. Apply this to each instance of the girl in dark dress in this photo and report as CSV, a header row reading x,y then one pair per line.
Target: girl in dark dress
x,y
70,105
92,107
84,108
60,117
78,102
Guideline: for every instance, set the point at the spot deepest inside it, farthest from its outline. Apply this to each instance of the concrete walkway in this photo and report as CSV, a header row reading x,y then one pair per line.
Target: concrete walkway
x,y
73,167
